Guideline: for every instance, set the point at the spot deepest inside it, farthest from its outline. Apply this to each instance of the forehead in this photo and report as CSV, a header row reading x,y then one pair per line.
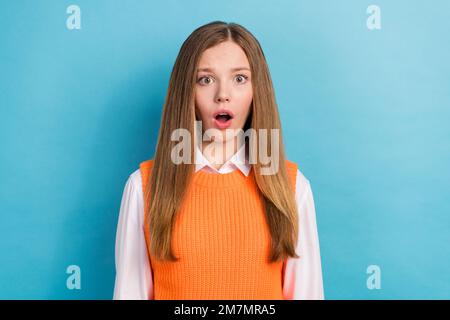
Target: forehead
x,y
224,56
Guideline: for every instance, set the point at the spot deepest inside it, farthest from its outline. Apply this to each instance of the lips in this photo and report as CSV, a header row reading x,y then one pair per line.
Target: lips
x,y
223,118
223,113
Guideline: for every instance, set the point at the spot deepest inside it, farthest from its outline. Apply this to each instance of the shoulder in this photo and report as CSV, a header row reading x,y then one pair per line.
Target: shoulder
x,y
302,183
291,166
147,163
145,168
291,171
135,178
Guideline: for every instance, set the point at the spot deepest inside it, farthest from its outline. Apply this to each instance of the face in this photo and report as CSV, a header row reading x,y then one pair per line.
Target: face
x,y
223,89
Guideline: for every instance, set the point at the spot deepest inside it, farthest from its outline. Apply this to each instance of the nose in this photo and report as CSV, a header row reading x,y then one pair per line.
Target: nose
x,y
222,94
223,99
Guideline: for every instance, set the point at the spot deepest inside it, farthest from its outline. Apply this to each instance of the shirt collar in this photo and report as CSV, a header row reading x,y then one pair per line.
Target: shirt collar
x,y
237,161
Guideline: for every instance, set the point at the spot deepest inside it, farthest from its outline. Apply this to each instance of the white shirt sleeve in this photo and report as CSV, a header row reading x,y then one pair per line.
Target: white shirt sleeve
x,y
302,277
134,279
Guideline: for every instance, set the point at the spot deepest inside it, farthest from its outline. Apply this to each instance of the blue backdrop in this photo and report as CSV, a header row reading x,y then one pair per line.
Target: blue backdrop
x,y
365,115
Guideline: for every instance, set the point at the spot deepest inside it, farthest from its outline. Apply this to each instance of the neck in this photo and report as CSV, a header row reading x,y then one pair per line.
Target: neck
x,y
217,153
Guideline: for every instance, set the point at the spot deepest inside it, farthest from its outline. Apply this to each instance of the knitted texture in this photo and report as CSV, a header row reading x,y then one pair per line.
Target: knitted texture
x,y
222,240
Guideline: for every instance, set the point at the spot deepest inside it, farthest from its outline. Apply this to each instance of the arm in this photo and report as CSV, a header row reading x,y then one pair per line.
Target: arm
x,y
133,271
302,277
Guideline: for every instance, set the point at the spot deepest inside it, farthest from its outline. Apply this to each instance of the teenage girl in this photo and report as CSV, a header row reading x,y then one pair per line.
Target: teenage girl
x,y
211,222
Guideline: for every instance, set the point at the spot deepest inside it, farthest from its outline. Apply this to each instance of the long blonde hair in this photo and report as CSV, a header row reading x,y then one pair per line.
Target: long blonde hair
x,y
168,181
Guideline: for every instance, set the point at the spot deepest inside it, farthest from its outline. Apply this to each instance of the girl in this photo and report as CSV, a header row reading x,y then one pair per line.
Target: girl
x,y
218,226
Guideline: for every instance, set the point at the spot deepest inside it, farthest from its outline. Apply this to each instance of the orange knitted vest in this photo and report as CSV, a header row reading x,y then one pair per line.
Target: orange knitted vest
x,y
222,240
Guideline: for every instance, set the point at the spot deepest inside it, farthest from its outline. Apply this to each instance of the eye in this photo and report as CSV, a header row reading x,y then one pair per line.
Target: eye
x,y
204,78
242,78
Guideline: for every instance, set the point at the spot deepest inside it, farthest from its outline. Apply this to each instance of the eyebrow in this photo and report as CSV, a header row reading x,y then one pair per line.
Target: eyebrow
x,y
232,69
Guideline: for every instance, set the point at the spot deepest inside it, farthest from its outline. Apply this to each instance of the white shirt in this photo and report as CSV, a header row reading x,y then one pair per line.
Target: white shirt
x,y
302,277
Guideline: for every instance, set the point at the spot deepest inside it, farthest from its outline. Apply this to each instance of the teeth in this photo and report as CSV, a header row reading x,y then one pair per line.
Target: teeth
x,y
226,114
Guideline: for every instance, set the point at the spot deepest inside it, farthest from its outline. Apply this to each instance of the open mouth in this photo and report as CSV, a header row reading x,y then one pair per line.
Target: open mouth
x,y
223,117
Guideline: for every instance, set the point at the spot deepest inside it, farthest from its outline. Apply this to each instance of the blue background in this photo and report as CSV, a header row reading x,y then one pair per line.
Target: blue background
x,y
365,115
